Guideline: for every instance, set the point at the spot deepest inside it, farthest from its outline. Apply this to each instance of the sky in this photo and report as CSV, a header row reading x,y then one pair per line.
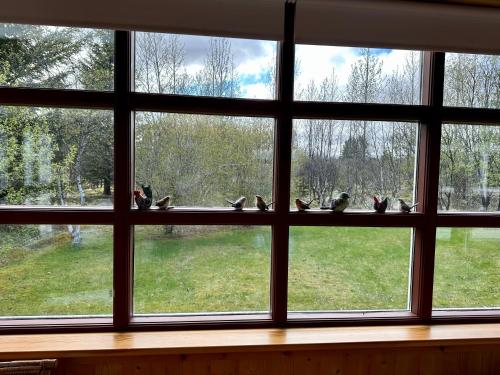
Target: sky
x,y
253,58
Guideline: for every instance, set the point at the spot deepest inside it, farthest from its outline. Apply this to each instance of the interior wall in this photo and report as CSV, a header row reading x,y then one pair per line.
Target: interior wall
x,y
450,360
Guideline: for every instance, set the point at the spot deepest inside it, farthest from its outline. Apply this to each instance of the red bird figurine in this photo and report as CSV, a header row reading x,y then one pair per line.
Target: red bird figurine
x,y
378,206
143,202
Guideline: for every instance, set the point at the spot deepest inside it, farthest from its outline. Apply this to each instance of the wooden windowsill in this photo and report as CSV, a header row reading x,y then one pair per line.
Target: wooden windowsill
x,y
248,340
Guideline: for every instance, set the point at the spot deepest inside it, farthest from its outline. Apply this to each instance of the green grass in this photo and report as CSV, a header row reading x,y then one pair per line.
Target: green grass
x,y
221,269
59,279
467,268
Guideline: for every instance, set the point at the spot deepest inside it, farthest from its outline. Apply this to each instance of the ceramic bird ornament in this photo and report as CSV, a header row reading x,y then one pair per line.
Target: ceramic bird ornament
x,y
239,204
339,204
142,201
301,205
405,208
147,191
380,206
261,204
163,203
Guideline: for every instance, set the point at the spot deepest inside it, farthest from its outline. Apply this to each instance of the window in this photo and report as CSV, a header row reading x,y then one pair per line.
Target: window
x,y
208,120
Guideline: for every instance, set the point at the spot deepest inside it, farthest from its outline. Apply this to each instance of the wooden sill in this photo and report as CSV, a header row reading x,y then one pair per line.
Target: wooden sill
x,y
249,340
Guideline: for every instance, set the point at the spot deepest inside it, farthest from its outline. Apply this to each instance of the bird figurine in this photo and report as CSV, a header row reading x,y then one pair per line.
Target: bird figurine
x,y
146,189
239,204
163,203
405,208
142,201
338,204
261,204
301,205
380,206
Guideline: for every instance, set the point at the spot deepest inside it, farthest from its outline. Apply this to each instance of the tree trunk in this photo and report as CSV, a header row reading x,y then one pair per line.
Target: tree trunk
x,y
74,232
80,189
107,187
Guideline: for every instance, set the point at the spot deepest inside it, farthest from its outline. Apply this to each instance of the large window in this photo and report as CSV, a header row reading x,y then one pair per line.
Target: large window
x,y
166,180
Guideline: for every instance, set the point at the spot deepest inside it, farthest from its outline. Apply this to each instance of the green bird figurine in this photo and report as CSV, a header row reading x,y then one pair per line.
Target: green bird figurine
x,y
339,204
147,191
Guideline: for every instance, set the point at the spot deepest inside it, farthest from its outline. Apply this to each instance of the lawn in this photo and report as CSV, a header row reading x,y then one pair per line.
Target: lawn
x,y
214,269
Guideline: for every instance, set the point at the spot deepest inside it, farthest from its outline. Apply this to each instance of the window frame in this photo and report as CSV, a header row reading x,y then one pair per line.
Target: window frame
x,y
124,101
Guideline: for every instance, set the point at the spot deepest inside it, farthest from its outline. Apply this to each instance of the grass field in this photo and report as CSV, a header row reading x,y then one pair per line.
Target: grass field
x,y
203,269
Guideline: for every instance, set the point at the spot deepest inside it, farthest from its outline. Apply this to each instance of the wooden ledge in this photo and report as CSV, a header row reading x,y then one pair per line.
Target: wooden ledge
x,y
248,340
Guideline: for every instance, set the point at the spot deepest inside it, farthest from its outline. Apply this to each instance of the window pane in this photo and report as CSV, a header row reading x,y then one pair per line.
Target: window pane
x,y
472,80
469,174
206,66
362,158
56,157
56,57
343,268
203,160
198,269
48,270
361,75
467,270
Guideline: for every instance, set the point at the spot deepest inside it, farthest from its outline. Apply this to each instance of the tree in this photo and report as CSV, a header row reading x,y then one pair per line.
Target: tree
x,y
160,63
218,76
37,56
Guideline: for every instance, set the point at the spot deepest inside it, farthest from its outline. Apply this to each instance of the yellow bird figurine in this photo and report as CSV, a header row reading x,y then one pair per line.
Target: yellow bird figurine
x,y
163,203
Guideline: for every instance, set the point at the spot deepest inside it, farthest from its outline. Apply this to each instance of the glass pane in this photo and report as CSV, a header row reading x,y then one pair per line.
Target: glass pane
x,y
472,80
469,174
56,157
198,269
343,268
361,75
362,158
56,57
206,66
467,269
48,270
204,160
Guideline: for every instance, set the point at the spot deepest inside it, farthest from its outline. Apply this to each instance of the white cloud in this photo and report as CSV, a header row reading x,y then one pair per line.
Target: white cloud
x,y
257,91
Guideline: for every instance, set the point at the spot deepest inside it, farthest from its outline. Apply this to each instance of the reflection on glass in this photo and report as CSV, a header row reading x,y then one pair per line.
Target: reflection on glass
x,y
362,158
472,80
469,174
198,269
49,270
344,268
361,75
205,66
54,157
56,57
467,268
204,160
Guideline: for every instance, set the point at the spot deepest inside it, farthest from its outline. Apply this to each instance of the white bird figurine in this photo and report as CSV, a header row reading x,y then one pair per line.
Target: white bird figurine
x,y
405,208
239,204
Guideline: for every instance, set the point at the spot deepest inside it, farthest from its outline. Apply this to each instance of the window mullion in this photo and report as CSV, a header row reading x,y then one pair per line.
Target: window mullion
x,y
427,186
122,233
283,145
